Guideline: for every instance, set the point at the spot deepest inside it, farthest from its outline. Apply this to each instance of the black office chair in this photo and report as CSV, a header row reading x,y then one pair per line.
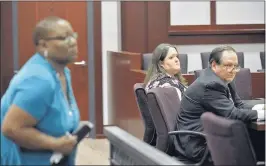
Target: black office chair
x,y
164,107
183,63
262,59
228,141
146,60
142,102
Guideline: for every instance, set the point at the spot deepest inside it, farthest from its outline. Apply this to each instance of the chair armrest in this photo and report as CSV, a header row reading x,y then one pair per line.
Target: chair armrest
x,y
260,163
206,152
186,132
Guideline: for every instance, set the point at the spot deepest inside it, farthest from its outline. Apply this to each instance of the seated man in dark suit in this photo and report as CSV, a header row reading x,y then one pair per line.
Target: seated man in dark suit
x,y
213,91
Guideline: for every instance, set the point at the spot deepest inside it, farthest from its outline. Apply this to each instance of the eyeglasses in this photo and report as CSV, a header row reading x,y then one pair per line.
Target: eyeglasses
x,y
231,67
66,39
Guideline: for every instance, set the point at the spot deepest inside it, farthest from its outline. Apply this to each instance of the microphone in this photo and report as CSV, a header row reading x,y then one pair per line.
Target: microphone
x,y
58,159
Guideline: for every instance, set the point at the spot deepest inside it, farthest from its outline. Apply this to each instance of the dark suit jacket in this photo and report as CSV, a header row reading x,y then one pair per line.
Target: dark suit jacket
x,y
208,93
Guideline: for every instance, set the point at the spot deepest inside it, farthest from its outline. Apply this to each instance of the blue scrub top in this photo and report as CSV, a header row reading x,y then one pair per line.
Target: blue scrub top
x,y
36,89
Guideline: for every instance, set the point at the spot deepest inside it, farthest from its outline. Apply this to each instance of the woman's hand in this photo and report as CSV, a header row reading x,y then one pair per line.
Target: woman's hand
x,y
65,144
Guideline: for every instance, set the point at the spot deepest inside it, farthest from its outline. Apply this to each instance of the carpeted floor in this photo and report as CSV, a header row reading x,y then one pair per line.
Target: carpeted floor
x,y
93,152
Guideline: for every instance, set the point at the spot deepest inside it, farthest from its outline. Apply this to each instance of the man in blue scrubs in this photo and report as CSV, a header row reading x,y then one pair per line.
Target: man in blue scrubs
x,y
39,106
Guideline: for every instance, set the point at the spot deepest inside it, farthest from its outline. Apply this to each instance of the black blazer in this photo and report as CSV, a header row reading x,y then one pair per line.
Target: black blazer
x,y
208,93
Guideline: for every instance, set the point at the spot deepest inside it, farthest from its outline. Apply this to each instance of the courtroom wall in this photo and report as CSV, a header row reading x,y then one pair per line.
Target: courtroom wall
x,y
111,40
194,27
141,26
200,13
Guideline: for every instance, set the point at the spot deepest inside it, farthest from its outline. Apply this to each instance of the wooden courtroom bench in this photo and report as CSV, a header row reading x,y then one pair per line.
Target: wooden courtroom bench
x,y
124,72
126,149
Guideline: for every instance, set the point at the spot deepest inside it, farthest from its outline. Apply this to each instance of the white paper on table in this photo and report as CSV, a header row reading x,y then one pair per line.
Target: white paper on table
x,y
261,115
258,107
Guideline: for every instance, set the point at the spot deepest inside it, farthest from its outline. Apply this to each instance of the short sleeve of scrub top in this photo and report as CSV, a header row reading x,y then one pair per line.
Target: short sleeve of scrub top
x,y
34,96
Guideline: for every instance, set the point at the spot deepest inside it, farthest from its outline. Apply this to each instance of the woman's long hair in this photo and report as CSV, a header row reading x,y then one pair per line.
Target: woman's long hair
x,y
155,69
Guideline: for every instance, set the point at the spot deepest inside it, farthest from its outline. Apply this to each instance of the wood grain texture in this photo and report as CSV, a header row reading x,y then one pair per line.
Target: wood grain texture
x,y
134,26
7,65
147,24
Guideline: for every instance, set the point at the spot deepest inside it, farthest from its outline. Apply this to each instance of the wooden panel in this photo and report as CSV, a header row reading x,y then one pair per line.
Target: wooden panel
x,y
134,59
158,22
53,8
213,12
216,30
27,20
140,37
98,69
258,85
7,67
213,29
160,11
79,73
125,112
134,17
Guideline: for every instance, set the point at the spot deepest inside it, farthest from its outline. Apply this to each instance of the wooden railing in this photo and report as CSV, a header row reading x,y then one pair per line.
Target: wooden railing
x,y
126,149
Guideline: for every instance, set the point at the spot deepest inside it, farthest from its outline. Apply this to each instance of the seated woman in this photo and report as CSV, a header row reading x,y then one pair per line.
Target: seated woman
x,y
164,70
